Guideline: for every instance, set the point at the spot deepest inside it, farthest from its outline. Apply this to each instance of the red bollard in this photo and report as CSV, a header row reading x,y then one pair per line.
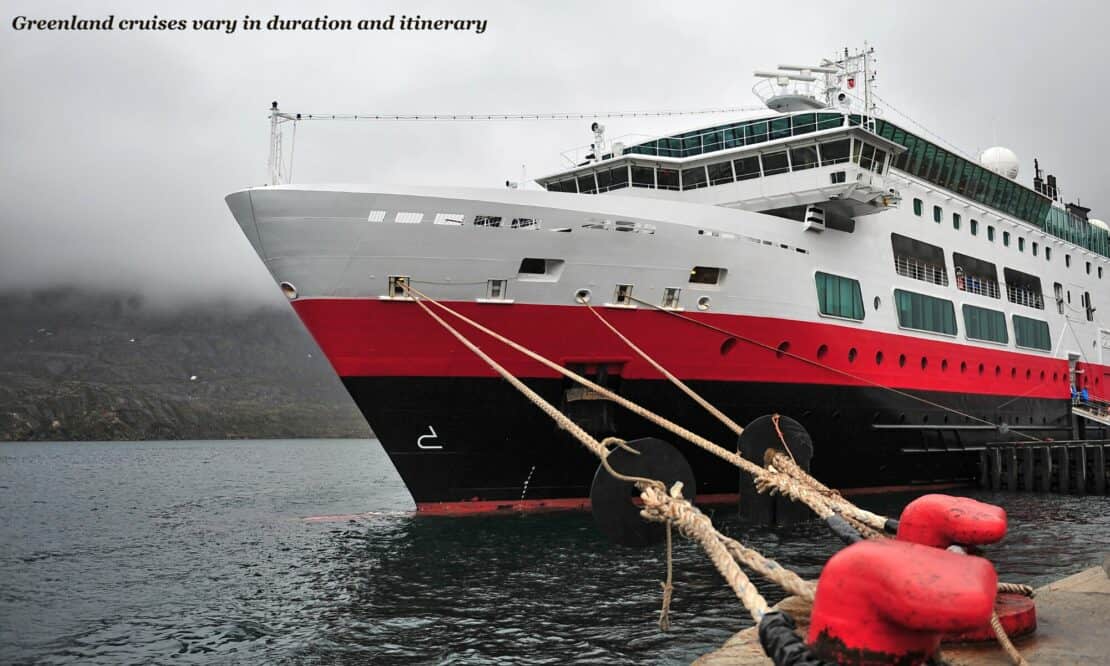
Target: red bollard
x,y
942,520
886,602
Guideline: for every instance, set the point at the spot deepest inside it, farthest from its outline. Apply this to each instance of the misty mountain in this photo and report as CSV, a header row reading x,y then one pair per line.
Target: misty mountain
x,y
78,364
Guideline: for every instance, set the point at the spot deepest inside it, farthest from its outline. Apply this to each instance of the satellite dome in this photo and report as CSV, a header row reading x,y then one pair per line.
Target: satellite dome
x,y
1100,224
1000,160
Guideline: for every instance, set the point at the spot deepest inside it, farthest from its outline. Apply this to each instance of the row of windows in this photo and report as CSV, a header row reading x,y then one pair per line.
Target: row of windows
x,y
973,227
940,167
735,135
797,158
839,296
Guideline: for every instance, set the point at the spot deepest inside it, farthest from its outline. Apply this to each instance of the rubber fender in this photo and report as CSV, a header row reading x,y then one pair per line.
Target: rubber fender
x,y
942,520
889,602
612,500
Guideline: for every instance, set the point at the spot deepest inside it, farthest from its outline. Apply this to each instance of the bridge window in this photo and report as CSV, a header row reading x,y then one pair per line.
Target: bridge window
x,y
746,167
568,185
720,173
917,260
1032,333
775,163
667,179
643,176
1023,289
976,276
694,178
587,184
839,296
780,128
804,157
612,179
925,313
983,324
835,152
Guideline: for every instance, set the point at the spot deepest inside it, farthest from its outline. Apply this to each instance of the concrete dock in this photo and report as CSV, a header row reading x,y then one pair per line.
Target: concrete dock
x,y
1073,627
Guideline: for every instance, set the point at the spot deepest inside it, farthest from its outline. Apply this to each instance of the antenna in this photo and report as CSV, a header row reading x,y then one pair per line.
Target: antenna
x,y
280,172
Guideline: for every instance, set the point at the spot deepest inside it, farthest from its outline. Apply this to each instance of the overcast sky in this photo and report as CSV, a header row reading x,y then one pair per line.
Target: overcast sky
x,y
117,149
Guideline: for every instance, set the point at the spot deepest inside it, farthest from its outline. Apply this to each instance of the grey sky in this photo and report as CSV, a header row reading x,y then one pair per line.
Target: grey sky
x,y
118,148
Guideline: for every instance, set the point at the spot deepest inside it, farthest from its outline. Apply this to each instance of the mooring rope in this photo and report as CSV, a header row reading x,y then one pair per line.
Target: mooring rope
x,y
671,508
659,505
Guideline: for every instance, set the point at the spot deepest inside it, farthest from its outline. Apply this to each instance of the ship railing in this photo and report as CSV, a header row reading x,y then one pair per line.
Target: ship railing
x,y
1026,297
920,270
974,284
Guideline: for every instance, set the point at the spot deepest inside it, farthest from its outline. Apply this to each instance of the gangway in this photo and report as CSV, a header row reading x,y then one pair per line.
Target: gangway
x,y
1093,410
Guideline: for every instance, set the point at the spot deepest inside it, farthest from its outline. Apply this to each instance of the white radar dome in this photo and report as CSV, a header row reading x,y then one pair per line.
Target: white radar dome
x,y
1000,160
1100,224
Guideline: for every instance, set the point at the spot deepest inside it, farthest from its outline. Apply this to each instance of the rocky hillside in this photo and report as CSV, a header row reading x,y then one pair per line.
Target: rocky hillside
x,y
87,365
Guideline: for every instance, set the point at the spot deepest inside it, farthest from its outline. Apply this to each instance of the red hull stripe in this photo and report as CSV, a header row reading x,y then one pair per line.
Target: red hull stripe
x,y
382,338
474,507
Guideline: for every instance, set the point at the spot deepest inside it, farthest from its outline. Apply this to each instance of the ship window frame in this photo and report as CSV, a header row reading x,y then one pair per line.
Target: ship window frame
x,y
689,180
747,162
776,170
837,157
808,153
700,276
721,178
1041,325
925,299
918,207
998,316
822,283
638,183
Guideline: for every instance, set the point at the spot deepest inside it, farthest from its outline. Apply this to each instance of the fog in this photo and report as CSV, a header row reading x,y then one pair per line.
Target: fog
x,y
118,148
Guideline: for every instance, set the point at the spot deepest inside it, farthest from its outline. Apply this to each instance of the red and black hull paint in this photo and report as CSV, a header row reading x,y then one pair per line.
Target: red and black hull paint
x,y
493,450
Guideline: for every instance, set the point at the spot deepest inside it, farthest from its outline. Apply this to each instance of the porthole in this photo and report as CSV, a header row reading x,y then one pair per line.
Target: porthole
x,y
1013,373
1028,374
981,368
289,290
901,360
878,358
878,302
1055,376
703,303
963,367
783,347
852,353
727,346
822,351
998,371
944,365
924,362
582,296
1042,375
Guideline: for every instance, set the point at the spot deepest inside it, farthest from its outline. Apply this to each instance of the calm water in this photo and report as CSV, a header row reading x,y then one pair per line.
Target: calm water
x,y
306,552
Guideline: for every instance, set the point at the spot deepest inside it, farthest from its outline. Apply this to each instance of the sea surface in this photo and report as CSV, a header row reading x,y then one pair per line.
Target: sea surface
x,y
307,551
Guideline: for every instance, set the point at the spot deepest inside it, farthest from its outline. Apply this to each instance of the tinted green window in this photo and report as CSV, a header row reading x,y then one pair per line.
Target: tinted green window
x,y
804,123
829,120
755,133
955,221
780,128
1006,238
983,324
937,214
975,227
839,296
1032,333
990,233
925,313
917,207
1021,244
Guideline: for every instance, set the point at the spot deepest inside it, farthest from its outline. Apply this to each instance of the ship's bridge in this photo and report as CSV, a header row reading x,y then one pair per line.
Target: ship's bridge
x,y
777,164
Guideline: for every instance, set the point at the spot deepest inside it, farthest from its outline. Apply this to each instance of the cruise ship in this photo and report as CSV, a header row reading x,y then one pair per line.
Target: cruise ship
x,y
906,303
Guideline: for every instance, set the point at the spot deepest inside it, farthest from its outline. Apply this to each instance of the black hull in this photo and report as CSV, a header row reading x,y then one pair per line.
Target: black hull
x,y
498,447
